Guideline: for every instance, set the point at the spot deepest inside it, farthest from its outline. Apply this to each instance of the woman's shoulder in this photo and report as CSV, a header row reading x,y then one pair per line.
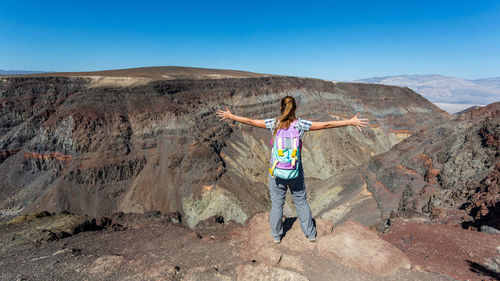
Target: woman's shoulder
x,y
270,120
270,123
303,124
302,121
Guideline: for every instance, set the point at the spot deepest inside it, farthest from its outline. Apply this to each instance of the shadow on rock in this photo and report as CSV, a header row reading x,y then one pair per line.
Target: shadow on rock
x,y
287,224
482,270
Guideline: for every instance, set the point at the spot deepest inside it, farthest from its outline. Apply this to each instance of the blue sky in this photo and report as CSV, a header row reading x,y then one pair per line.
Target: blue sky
x,y
337,40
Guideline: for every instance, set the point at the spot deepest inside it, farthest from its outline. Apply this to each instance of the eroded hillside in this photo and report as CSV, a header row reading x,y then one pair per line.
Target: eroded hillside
x,y
450,173
69,143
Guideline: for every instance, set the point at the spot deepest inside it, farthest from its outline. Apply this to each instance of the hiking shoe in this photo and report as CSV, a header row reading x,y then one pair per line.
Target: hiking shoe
x,y
312,239
277,240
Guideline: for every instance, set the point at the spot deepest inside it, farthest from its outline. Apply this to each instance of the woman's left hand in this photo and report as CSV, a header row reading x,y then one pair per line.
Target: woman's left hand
x,y
224,114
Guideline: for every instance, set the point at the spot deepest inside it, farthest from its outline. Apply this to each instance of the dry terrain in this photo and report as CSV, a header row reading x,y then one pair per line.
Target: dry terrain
x,y
129,175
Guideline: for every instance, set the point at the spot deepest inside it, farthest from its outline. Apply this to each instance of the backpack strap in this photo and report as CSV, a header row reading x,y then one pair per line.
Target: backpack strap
x,y
294,152
294,145
271,170
280,146
276,122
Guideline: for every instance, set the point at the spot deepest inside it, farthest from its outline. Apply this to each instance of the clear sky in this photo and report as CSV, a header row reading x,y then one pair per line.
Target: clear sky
x,y
337,40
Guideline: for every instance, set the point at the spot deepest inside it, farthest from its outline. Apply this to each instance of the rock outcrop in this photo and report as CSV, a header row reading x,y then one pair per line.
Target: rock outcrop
x,y
350,244
356,246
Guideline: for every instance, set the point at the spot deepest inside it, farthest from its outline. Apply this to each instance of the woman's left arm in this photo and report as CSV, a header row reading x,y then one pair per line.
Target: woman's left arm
x,y
354,121
228,115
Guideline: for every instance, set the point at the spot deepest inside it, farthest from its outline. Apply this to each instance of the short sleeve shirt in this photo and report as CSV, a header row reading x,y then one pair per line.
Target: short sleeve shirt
x,y
302,125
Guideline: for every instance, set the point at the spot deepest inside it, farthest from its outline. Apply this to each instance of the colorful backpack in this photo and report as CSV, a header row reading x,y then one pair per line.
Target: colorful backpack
x,y
285,154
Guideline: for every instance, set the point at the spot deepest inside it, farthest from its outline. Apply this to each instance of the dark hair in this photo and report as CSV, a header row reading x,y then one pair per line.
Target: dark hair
x,y
288,107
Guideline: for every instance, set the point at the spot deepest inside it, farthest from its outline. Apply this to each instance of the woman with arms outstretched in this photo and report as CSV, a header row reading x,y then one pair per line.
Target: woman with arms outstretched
x,y
286,162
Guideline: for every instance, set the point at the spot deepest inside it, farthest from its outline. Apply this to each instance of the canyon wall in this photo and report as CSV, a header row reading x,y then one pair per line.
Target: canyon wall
x,y
449,174
74,144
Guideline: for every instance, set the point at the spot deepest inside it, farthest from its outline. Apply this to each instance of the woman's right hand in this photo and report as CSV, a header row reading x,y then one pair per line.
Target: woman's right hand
x,y
226,114
358,123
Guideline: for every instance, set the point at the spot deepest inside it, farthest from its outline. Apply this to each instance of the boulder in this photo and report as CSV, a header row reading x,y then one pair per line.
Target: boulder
x,y
361,248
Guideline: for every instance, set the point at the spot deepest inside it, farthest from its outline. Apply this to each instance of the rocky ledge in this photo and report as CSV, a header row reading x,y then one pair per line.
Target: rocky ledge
x,y
154,246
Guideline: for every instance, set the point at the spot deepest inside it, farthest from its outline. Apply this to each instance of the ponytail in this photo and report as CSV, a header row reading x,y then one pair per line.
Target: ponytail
x,y
288,107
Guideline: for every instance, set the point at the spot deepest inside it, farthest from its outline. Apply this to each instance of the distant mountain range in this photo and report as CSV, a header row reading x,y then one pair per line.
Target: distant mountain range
x,y
449,93
17,72
444,89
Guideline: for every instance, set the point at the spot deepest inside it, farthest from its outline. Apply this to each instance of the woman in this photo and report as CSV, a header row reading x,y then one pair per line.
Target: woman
x,y
278,186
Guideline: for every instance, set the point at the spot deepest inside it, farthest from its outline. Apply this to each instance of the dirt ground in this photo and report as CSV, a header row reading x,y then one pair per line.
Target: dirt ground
x,y
156,247
449,249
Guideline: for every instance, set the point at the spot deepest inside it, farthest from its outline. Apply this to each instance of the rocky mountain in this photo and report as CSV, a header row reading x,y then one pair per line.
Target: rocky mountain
x,y
493,83
467,110
446,90
99,144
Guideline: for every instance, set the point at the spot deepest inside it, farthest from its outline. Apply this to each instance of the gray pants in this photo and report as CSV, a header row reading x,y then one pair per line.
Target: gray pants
x,y
278,188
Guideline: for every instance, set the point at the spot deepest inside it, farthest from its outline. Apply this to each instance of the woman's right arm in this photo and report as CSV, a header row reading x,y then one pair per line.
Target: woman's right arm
x,y
228,115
